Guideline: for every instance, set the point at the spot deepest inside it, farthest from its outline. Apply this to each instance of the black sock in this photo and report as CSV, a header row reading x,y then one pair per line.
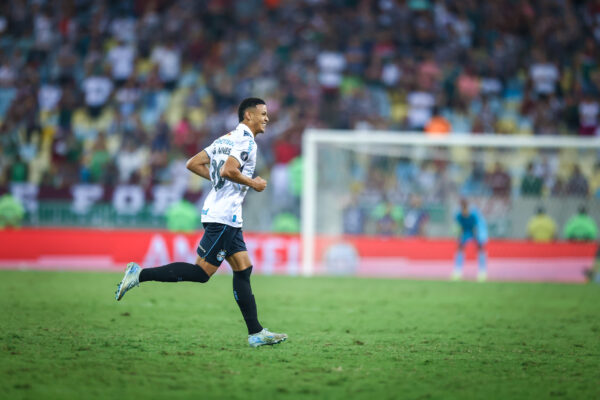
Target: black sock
x,y
175,272
245,299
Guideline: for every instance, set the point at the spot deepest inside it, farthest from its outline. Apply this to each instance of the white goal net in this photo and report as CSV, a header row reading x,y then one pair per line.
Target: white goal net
x,y
371,184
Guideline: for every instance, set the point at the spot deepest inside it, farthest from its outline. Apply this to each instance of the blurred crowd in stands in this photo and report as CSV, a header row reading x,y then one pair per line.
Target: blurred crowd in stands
x,y
541,173
392,195
392,219
124,91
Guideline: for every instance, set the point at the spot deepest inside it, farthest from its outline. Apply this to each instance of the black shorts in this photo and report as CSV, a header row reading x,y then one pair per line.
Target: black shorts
x,y
220,241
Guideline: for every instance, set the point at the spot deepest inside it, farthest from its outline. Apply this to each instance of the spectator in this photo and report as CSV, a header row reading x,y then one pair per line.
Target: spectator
x,y
123,26
49,96
581,227
97,88
11,211
577,184
121,58
182,217
420,108
286,222
559,187
127,97
543,73
130,159
531,185
331,63
99,159
485,122
354,217
475,185
168,59
499,181
355,60
546,114
19,171
589,110
438,125
459,118
388,218
541,227
416,217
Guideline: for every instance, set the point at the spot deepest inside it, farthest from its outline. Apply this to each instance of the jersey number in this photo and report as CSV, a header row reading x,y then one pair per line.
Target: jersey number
x,y
218,182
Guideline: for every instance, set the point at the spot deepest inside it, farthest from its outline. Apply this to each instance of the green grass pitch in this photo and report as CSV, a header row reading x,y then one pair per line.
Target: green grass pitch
x,y
63,336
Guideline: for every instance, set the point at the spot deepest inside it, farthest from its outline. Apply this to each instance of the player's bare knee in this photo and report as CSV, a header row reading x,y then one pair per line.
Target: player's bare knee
x,y
206,268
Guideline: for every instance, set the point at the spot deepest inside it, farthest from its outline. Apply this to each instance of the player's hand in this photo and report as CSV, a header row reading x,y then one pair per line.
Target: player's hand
x,y
259,184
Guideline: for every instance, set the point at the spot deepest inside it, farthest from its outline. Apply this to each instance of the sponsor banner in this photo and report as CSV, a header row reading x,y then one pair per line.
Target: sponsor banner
x,y
126,199
93,249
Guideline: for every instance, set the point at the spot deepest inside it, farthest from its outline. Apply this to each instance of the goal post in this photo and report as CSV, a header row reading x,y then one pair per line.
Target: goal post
x,y
332,160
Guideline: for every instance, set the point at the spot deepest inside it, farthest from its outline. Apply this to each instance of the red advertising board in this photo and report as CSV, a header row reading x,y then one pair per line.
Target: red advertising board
x,y
95,249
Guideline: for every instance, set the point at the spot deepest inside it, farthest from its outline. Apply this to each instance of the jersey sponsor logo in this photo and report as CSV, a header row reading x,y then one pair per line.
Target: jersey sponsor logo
x,y
244,156
224,150
221,255
224,141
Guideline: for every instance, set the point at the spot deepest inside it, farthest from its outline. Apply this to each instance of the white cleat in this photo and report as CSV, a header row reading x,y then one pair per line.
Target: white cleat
x,y
131,279
265,337
482,277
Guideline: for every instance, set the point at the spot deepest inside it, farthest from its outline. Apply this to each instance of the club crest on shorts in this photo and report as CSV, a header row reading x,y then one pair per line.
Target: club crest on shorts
x,y
221,255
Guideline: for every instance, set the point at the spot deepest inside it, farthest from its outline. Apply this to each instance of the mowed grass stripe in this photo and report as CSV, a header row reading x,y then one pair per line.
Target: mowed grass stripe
x,y
63,336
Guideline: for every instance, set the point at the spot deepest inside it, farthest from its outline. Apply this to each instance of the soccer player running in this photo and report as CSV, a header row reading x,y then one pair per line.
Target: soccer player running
x,y
229,163
472,227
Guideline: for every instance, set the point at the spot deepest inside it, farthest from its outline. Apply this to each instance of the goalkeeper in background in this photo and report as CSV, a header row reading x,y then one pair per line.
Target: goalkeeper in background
x,y
472,227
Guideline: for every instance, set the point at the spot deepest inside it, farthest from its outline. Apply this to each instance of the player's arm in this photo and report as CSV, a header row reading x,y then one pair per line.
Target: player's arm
x,y
199,164
231,171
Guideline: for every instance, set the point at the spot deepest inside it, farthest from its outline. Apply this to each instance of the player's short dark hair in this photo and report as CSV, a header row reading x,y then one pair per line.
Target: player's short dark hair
x,y
248,103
